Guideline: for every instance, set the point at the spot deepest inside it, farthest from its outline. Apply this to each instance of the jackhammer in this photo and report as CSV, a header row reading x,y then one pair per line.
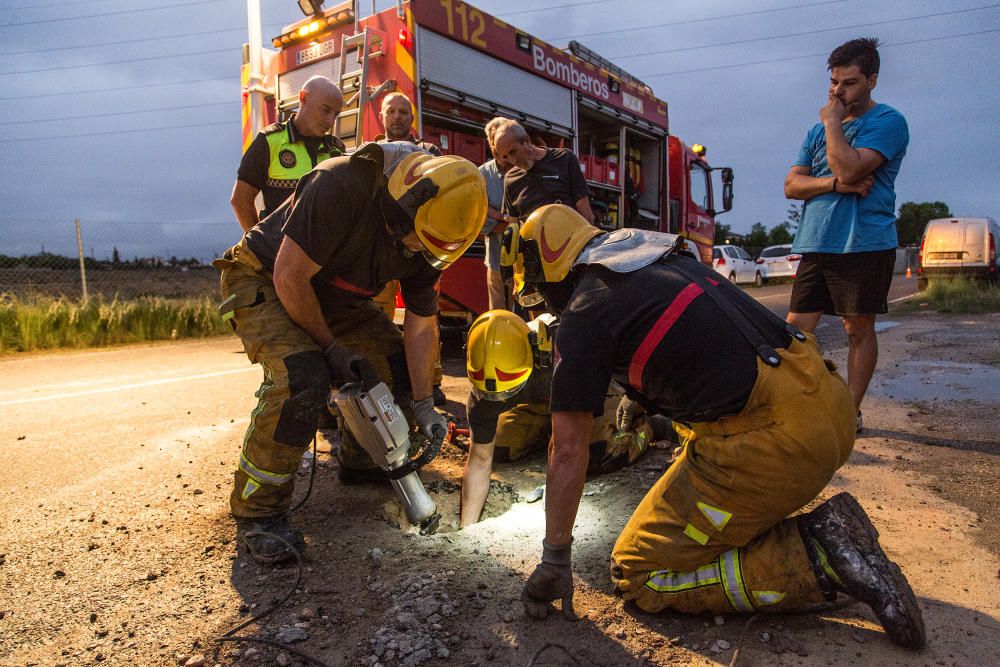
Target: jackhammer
x,y
370,412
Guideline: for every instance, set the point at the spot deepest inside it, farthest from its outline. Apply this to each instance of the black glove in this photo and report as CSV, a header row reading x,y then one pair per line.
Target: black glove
x,y
626,413
338,360
428,419
551,580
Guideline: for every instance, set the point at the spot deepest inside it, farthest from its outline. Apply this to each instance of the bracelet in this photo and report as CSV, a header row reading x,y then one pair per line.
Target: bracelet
x,y
834,184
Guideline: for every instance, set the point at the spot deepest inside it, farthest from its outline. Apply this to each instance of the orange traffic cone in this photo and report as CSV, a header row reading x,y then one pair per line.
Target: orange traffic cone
x,y
909,273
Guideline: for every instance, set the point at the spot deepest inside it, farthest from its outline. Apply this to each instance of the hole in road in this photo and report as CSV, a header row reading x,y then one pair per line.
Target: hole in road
x,y
447,496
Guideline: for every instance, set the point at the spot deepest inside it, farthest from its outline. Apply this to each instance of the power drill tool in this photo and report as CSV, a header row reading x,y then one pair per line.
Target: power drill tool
x,y
371,414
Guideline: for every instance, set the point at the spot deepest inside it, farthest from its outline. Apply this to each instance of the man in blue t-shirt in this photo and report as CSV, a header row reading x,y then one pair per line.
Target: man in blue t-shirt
x,y
845,173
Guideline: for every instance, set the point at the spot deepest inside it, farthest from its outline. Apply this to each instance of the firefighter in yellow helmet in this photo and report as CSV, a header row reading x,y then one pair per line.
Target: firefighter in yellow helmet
x,y
509,363
298,291
764,421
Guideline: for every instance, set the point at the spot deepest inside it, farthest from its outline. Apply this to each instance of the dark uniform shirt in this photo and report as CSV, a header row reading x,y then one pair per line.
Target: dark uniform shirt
x,y
483,414
257,160
661,337
338,217
555,179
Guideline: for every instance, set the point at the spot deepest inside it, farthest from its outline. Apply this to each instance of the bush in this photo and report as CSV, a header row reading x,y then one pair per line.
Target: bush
x,y
44,322
958,296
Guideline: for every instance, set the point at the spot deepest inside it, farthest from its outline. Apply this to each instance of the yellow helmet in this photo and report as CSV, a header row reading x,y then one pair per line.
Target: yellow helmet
x,y
543,249
445,196
498,355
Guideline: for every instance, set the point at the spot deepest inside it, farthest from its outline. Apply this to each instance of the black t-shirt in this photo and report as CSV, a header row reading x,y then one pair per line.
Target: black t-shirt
x,y
483,414
661,337
257,161
338,217
555,179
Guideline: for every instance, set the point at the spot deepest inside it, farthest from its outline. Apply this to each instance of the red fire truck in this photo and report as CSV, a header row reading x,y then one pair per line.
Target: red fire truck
x,y
461,67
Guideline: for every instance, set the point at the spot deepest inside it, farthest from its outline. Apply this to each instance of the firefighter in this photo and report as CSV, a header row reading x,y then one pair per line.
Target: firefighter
x,y
509,363
397,119
298,291
284,152
763,420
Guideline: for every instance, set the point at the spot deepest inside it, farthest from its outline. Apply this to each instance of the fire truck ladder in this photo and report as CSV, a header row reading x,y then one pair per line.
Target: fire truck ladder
x,y
355,52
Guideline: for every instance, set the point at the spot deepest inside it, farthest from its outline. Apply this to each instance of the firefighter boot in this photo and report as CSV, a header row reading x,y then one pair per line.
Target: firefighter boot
x,y
270,542
844,550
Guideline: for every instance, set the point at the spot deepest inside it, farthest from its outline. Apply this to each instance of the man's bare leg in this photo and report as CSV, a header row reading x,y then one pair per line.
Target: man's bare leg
x,y
805,321
862,354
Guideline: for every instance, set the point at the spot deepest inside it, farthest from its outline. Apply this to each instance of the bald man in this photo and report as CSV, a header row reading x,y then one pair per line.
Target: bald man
x,y
284,152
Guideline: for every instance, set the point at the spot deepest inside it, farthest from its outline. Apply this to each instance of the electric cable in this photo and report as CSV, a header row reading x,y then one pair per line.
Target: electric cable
x,y
110,132
118,13
805,32
118,113
545,9
117,88
122,62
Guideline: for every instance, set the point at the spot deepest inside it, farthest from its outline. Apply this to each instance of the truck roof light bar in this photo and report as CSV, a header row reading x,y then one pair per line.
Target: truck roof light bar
x,y
314,24
585,54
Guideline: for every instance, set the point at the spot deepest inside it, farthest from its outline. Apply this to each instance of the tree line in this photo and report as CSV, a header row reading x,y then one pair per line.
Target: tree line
x,y
910,223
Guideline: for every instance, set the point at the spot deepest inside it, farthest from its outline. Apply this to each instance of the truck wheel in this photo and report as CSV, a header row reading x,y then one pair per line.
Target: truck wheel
x,y
732,277
758,280
921,284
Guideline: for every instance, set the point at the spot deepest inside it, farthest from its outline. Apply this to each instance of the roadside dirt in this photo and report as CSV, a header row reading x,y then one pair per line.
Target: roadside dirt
x,y
138,566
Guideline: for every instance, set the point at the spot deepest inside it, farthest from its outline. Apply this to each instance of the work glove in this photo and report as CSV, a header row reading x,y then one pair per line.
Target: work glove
x,y
551,580
338,360
429,420
626,413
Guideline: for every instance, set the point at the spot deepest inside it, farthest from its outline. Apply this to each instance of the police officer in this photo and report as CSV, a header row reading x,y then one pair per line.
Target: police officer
x,y
298,291
764,421
284,152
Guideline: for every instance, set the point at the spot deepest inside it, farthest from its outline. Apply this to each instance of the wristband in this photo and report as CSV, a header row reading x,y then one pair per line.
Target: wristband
x,y
834,184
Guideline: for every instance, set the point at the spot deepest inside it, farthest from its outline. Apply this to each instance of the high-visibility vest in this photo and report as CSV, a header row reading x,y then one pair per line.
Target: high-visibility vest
x,y
290,160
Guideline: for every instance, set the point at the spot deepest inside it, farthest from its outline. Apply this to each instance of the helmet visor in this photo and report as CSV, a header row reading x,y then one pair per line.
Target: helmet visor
x,y
484,395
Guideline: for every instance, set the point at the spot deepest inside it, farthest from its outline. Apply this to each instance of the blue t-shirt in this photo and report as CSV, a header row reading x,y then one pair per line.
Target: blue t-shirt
x,y
494,193
847,223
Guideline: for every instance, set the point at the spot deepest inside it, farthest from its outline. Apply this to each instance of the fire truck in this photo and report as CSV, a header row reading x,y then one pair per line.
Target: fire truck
x,y
461,67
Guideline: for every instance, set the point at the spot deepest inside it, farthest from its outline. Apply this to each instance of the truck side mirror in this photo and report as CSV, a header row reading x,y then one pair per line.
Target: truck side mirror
x,y
727,189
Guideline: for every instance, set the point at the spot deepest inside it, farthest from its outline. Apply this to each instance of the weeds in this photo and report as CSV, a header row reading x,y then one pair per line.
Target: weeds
x,y
957,296
43,322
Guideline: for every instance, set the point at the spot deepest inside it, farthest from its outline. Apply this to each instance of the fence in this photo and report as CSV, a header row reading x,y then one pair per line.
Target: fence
x,y
80,259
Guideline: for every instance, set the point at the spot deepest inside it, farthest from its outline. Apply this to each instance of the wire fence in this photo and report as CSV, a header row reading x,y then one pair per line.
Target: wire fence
x,y
119,259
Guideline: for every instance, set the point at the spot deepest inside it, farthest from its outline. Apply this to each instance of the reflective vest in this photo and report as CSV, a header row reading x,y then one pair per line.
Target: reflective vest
x,y
290,160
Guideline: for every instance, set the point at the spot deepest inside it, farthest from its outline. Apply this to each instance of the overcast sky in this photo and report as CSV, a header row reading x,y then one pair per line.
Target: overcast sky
x,y
127,114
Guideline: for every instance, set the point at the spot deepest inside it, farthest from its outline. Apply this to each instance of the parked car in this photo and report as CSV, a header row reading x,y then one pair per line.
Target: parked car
x,y
778,261
735,264
959,247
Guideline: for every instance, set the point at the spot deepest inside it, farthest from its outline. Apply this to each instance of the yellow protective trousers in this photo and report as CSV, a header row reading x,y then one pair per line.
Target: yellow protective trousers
x,y
296,382
712,535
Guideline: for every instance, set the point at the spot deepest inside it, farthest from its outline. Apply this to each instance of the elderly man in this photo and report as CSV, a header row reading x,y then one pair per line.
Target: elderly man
x,y
496,220
283,153
538,176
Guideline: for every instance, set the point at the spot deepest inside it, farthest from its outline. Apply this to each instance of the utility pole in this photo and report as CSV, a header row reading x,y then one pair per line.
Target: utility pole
x,y
83,270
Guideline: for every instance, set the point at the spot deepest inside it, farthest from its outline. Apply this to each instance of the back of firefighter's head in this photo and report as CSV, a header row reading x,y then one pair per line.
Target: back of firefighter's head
x,y
498,355
542,251
444,196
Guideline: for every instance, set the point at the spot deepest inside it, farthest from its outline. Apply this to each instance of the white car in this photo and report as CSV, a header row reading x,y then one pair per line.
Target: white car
x,y
735,264
778,261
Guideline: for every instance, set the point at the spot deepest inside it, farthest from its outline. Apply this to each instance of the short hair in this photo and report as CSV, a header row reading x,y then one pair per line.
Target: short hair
x,y
393,96
505,125
862,52
492,127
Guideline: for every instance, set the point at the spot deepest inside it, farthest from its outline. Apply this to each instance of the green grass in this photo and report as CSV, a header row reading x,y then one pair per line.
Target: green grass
x,y
957,296
44,323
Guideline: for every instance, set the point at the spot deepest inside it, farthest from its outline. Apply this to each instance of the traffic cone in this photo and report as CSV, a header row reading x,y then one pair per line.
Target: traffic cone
x,y
909,273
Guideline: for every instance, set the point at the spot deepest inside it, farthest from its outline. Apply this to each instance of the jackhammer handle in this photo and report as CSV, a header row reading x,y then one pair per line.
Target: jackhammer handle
x,y
364,370
428,454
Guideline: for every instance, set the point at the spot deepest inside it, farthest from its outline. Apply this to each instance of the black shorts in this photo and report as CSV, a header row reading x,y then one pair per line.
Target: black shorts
x,y
843,284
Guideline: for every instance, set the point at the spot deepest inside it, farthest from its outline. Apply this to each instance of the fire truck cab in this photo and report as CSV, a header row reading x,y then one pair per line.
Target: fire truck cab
x,y
461,67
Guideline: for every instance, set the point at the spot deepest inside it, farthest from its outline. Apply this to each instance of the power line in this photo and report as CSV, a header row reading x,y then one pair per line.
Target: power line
x,y
815,55
117,88
121,62
701,20
53,4
118,113
118,13
806,32
130,41
102,134
545,9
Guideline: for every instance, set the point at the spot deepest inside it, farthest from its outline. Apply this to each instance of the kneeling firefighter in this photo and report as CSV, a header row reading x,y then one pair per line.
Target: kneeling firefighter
x,y
509,363
298,291
763,420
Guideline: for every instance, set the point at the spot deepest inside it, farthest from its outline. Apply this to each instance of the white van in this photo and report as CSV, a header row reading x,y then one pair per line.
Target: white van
x,y
959,247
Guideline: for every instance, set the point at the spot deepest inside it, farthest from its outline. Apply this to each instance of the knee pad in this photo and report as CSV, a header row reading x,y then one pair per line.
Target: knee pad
x,y
308,388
